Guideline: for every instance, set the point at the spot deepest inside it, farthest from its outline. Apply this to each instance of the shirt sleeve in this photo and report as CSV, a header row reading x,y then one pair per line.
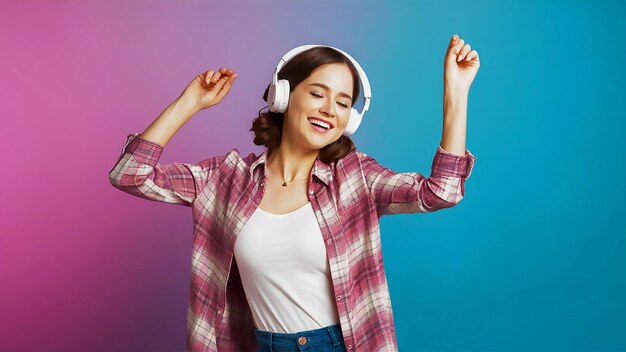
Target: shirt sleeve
x,y
411,192
139,173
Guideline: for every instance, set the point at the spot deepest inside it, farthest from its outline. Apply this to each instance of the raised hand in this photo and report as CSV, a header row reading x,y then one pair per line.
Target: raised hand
x,y
210,87
460,65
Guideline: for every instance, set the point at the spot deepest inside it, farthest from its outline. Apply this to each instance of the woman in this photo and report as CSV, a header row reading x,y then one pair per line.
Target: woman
x,y
286,247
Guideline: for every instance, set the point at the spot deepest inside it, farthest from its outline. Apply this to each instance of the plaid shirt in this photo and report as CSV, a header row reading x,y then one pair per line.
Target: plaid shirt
x,y
348,198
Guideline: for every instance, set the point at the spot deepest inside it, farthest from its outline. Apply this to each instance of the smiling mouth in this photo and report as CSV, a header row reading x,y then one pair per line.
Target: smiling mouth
x,y
319,128
321,124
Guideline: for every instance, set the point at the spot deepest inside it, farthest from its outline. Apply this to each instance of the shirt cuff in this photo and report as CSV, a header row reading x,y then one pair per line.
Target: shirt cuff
x,y
449,164
144,151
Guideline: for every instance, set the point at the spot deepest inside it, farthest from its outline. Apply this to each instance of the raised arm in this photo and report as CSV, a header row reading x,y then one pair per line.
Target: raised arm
x,y
204,91
411,192
137,170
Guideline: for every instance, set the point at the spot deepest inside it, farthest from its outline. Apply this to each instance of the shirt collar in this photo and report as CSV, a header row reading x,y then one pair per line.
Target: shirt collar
x,y
320,169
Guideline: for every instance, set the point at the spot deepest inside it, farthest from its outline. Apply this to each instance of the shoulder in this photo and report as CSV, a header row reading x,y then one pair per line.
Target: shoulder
x,y
363,156
365,162
354,156
351,161
235,158
230,159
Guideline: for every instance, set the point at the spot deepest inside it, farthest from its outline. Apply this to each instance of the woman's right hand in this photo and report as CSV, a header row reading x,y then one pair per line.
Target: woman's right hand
x,y
209,88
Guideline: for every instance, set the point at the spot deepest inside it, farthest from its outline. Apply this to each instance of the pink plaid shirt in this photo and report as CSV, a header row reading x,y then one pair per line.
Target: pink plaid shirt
x,y
348,198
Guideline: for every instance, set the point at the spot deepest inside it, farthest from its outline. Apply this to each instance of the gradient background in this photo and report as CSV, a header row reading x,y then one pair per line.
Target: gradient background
x,y
531,260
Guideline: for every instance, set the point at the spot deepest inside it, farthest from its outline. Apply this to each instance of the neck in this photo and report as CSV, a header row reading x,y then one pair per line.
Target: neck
x,y
290,162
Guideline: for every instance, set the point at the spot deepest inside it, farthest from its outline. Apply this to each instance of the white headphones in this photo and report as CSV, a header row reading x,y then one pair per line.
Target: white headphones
x,y
278,94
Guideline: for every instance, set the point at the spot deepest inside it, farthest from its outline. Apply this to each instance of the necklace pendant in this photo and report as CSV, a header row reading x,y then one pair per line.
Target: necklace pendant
x,y
285,184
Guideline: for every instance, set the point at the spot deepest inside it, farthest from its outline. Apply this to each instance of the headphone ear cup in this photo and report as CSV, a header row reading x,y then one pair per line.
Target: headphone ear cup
x,y
271,97
284,98
353,122
281,96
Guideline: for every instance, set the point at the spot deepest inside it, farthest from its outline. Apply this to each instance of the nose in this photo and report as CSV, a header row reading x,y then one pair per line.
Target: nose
x,y
326,109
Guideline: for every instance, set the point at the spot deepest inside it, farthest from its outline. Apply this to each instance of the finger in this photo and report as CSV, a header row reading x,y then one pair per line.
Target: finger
x,y
208,76
225,83
457,47
472,54
453,50
226,71
224,80
216,77
466,49
224,86
453,40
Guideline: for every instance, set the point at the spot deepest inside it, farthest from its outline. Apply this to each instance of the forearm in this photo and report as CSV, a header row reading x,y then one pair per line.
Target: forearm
x,y
169,121
454,121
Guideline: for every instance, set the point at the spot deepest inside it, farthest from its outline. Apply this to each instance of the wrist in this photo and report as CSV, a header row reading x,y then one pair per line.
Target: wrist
x,y
455,92
188,104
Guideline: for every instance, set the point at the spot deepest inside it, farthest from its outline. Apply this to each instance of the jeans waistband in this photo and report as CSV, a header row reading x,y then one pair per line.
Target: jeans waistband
x,y
329,335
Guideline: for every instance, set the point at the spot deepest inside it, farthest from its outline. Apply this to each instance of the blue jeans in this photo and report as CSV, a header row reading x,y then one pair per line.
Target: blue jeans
x,y
326,339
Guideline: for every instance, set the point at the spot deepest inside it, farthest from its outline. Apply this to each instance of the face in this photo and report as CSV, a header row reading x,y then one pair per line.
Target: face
x,y
326,95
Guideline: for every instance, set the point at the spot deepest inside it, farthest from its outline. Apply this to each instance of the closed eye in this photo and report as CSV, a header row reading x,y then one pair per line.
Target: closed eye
x,y
319,96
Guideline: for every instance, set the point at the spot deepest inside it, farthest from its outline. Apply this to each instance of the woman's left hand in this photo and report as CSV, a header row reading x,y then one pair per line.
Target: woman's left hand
x,y
459,75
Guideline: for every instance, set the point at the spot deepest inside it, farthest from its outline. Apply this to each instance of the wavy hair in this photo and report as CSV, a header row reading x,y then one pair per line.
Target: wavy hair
x,y
268,126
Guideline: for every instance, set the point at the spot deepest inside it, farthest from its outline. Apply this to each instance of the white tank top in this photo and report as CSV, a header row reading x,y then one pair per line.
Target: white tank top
x,y
285,272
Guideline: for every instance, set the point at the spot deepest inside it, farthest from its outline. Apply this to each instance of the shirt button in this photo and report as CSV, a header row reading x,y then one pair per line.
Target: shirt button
x,y
339,297
311,191
328,241
302,340
350,346
262,184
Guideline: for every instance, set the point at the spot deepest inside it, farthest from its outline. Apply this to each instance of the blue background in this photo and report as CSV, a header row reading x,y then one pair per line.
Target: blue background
x,y
532,259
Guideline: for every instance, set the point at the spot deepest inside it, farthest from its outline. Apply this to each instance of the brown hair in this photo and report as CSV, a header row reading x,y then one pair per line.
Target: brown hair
x,y
268,126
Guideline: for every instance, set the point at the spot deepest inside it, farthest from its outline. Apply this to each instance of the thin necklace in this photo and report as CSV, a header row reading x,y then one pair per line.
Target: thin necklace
x,y
285,180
